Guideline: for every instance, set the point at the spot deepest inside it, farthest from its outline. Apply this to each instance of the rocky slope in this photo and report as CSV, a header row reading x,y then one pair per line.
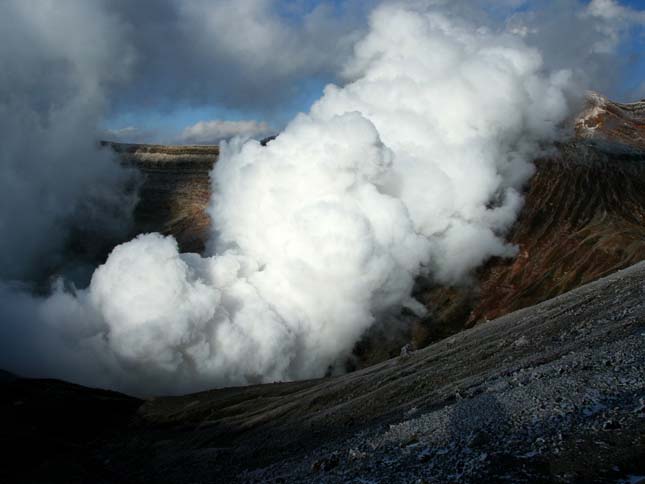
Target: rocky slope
x,y
551,393
611,122
583,218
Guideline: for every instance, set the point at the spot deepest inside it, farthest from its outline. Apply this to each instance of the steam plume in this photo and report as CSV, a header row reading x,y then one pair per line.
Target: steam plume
x,y
413,166
52,94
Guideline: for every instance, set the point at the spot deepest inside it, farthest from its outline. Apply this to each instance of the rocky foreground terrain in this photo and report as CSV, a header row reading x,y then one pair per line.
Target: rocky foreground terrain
x,y
551,393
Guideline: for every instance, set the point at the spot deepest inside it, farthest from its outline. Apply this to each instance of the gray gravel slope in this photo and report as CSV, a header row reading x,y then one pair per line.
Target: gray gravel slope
x,y
551,393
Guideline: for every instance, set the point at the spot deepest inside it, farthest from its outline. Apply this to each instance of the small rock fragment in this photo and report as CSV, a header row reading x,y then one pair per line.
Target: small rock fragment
x,y
522,341
611,424
406,350
326,463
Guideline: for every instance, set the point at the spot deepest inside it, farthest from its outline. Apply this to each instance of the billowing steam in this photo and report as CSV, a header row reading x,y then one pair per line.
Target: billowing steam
x,y
413,166
52,94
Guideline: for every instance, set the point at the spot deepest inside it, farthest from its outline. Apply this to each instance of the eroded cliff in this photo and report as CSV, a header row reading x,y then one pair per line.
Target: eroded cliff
x,y
175,190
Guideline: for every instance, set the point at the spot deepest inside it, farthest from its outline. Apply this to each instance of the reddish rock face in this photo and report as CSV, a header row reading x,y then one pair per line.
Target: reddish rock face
x,y
604,120
584,215
581,221
583,218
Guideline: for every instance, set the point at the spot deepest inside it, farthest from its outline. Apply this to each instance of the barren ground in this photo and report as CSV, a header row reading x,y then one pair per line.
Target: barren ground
x,y
551,393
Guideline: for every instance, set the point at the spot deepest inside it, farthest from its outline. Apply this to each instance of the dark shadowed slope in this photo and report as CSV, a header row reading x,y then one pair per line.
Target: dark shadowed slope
x,y
51,428
551,393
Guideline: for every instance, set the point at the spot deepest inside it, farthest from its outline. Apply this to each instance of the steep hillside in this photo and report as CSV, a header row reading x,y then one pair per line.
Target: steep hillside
x,y
583,218
551,393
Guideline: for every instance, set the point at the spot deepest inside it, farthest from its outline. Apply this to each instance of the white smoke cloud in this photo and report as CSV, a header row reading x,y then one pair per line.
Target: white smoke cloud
x,y
214,131
414,166
58,58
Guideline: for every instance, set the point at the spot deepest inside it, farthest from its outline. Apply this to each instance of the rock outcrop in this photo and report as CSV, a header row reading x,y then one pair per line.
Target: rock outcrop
x,y
175,190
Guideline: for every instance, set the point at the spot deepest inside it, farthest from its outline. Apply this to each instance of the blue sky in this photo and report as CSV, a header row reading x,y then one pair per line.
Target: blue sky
x,y
635,49
164,125
218,93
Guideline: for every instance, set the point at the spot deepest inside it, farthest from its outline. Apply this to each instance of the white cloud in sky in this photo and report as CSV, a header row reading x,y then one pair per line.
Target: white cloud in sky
x,y
215,130
126,134
613,19
612,10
